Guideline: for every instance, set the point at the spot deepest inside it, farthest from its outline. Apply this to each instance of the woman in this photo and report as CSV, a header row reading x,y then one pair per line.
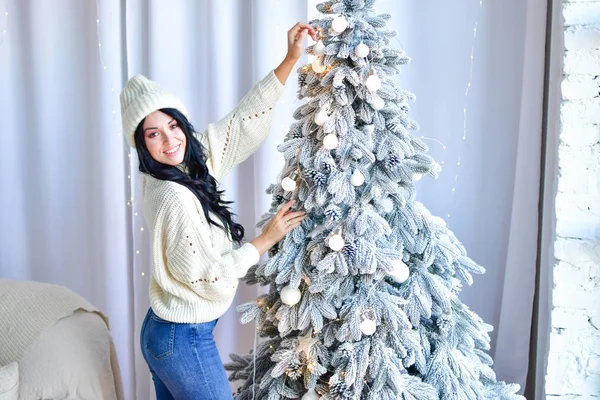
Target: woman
x,y
195,266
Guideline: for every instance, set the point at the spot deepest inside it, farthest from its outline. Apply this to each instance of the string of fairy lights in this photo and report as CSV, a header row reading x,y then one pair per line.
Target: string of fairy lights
x,y
464,136
464,112
464,124
4,25
131,203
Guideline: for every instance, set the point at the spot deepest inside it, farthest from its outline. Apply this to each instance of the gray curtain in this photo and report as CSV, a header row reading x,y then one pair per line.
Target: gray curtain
x,y
70,208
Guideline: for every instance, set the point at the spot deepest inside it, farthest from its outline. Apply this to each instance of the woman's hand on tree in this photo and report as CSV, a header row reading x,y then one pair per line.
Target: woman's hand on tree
x,y
276,229
296,37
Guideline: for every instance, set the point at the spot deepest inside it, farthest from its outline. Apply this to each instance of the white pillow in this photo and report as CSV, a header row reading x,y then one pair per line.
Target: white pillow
x,y
9,381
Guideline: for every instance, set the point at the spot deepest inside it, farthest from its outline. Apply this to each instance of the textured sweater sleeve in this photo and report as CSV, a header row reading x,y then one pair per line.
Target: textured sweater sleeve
x,y
234,138
188,254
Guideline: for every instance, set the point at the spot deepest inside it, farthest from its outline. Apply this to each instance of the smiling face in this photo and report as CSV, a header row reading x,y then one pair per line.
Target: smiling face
x,y
164,138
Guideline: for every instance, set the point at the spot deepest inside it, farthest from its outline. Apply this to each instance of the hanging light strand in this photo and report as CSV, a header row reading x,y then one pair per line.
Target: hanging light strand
x,y
467,90
114,121
4,26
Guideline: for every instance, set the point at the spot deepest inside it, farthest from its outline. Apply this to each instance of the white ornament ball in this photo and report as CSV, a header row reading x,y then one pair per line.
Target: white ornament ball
x,y
373,83
339,24
318,66
330,141
387,204
290,295
319,48
401,272
417,176
288,184
357,178
336,242
321,117
362,50
311,395
368,327
377,103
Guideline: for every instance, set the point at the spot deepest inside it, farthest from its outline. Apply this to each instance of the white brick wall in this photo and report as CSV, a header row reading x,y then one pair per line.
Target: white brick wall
x,y
574,358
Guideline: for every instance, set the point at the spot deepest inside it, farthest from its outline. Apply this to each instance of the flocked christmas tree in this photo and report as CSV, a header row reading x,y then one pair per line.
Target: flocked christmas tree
x,y
363,296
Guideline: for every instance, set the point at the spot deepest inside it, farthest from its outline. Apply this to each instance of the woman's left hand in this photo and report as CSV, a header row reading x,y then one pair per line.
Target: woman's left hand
x,y
296,37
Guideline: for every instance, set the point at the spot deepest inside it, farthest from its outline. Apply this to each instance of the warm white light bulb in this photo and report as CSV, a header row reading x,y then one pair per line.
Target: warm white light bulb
x,y
330,141
318,66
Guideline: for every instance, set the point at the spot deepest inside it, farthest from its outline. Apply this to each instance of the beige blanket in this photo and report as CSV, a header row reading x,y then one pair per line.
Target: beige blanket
x,y
32,313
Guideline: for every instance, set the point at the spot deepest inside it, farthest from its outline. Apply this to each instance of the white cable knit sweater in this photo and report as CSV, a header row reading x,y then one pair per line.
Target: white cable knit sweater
x,y
195,269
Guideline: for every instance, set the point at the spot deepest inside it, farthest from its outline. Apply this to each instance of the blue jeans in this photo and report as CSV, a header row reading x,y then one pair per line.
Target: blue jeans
x,y
183,360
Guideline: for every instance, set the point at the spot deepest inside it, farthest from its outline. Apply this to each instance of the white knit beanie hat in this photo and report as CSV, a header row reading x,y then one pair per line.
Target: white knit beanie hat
x,y
140,97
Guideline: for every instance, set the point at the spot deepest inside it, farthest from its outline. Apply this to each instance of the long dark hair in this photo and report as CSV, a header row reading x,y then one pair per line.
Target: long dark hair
x,y
197,178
